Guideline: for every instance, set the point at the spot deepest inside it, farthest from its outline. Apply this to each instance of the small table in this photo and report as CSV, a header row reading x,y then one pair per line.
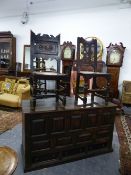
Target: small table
x,y
8,160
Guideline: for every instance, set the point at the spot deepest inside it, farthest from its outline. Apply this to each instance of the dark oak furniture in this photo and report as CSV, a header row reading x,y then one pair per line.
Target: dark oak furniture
x,y
87,68
114,60
59,92
7,52
53,134
46,48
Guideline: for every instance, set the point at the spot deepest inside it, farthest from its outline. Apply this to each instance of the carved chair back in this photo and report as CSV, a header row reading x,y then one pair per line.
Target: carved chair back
x,y
44,47
86,55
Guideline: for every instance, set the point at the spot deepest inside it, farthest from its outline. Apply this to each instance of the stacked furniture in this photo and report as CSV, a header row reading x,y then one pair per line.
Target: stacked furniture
x,y
54,134
87,69
43,48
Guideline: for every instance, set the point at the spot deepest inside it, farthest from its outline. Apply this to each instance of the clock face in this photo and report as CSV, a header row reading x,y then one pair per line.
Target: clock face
x,y
115,57
115,54
67,53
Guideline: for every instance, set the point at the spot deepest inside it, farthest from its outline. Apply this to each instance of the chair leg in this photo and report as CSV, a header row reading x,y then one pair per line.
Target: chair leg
x,y
92,98
45,87
77,89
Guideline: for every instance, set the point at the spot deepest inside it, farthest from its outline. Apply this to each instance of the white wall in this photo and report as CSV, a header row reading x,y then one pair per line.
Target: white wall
x,y
109,25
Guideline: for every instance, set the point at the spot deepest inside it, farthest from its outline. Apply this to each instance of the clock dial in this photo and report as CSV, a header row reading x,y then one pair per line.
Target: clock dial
x,y
115,57
67,53
115,54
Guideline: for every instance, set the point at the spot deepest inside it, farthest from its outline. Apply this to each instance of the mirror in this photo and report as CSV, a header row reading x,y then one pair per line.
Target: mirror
x,y
26,58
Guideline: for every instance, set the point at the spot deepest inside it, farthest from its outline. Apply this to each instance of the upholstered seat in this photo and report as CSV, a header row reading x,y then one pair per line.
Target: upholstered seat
x,y
10,100
126,92
13,93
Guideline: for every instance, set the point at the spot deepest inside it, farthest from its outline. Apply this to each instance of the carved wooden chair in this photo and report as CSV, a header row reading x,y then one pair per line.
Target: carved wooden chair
x,y
45,49
87,69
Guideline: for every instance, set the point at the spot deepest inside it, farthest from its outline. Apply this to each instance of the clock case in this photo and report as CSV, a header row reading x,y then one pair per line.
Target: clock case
x,y
67,63
114,69
71,48
111,48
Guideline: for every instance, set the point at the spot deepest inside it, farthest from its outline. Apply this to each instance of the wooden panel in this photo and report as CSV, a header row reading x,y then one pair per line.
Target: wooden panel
x,y
114,71
52,137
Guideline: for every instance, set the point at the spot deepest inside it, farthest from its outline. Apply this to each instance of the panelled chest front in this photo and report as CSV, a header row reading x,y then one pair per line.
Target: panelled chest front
x,y
56,135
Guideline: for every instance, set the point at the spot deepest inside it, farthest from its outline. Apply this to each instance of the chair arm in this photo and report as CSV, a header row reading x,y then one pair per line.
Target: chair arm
x,y
25,93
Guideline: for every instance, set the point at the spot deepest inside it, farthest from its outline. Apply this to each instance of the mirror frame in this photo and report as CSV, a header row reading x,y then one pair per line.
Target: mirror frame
x,y
24,59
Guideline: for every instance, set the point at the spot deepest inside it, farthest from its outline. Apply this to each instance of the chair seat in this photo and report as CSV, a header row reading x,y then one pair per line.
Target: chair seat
x,y
8,160
126,92
96,89
10,100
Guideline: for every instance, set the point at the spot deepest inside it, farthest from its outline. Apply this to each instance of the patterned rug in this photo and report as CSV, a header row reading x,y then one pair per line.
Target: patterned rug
x,y
8,119
123,127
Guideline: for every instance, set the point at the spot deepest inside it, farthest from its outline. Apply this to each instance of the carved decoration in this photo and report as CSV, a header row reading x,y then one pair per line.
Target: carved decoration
x,y
44,47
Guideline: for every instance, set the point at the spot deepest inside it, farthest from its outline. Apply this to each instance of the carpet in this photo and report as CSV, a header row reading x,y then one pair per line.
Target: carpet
x,y
123,127
9,119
